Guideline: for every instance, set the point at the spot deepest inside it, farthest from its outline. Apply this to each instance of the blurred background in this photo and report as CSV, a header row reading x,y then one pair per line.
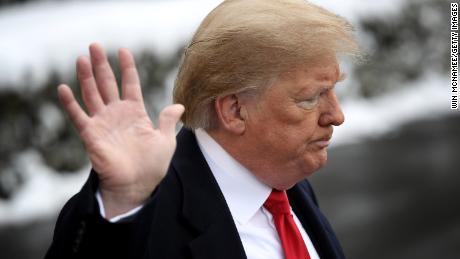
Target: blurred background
x,y
390,188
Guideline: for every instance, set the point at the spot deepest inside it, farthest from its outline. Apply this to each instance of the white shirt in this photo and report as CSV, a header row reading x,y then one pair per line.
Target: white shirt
x,y
245,196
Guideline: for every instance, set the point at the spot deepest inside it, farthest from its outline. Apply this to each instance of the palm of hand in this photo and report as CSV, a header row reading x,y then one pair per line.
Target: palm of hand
x,y
124,146
128,153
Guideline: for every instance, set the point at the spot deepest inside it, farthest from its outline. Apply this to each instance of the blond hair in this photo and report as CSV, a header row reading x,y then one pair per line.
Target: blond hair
x,y
243,45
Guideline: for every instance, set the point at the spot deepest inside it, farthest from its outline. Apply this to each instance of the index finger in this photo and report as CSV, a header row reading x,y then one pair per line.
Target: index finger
x,y
77,115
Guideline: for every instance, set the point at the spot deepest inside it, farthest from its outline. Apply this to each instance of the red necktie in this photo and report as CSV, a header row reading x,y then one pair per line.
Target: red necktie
x,y
291,240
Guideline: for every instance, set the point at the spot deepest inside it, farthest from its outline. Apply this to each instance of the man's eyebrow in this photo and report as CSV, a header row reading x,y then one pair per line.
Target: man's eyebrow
x,y
306,89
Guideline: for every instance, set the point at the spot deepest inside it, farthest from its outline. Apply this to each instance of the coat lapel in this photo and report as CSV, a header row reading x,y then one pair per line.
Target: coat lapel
x,y
204,206
316,225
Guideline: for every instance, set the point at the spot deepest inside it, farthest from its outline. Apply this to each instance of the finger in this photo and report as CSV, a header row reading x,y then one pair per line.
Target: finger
x,y
105,78
73,109
131,87
168,119
89,92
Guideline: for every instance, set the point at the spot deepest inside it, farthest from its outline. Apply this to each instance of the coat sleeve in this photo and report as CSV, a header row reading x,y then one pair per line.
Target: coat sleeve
x,y
81,232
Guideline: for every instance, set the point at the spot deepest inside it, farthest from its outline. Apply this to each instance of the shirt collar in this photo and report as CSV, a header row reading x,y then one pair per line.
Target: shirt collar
x,y
244,193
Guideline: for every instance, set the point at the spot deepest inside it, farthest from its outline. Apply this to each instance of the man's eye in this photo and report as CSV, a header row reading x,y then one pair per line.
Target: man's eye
x,y
309,104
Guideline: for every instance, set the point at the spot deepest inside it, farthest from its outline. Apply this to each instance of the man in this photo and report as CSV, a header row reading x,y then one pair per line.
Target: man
x,y
257,85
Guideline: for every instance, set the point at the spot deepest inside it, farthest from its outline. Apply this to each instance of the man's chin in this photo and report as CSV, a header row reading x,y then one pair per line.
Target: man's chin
x,y
319,160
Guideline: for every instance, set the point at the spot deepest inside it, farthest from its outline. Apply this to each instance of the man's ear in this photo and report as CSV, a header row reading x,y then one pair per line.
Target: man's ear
x,y
231,113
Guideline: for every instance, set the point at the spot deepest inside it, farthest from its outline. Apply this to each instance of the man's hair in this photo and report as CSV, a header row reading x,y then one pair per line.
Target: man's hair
x,y
243,45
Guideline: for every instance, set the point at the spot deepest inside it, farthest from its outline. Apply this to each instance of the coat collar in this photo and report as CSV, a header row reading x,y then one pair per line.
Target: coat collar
x,y
243,192
204,206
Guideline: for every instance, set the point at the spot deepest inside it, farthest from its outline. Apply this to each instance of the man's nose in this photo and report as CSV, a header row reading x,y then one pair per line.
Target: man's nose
x,y
331,112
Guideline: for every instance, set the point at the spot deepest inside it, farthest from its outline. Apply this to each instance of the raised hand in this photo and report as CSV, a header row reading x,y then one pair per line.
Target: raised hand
x,y
128,153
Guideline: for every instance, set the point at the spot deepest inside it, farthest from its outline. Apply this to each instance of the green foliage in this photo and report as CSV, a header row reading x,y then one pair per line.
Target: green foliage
x,y
405,46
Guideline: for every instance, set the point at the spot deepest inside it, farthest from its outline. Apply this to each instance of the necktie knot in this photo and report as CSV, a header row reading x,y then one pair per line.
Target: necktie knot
x,y
277,203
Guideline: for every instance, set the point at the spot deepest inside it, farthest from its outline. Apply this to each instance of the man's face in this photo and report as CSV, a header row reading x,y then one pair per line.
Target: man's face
x,y
289,127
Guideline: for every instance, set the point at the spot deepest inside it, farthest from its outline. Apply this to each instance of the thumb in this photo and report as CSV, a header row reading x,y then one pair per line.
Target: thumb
x,y
169,117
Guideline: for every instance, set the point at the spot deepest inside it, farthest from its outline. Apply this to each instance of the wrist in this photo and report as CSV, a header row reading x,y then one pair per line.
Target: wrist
x,y
116,203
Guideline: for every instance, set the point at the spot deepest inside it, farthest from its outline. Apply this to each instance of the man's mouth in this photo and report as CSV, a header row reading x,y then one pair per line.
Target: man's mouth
x,y
323,142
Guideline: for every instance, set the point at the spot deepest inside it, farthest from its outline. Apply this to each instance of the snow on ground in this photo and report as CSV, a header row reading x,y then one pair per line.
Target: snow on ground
x,y
43,193
354,10
51,35
372,118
